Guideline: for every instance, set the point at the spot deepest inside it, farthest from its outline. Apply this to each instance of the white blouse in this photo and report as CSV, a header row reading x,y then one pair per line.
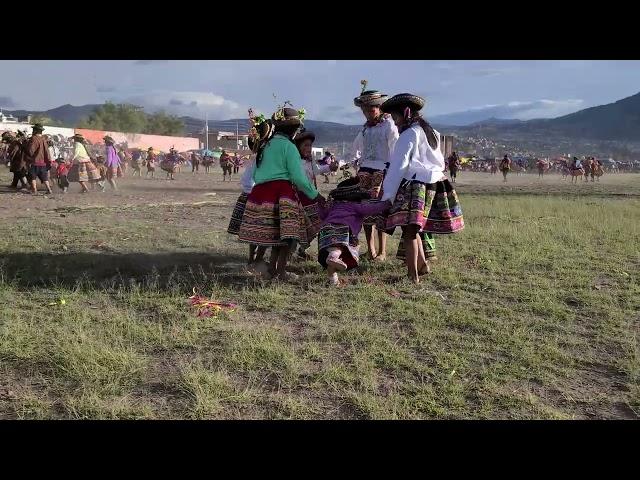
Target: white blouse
x,y
413,159
311,168
246,180
373,145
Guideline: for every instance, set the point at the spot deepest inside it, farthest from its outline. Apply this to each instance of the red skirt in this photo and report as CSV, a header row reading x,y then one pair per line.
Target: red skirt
x,y
273,215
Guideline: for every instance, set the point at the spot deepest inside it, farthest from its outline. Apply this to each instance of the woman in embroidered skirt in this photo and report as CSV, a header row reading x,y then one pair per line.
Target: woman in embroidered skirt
x,y
372,148
304,141
83,170
112,161
273,216
423,198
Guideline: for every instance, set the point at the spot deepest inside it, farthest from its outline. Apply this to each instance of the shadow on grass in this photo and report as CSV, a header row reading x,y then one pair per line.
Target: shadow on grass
x,y
88,270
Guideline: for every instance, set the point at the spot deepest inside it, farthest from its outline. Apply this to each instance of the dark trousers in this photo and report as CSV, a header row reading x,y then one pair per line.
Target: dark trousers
x,y
17,178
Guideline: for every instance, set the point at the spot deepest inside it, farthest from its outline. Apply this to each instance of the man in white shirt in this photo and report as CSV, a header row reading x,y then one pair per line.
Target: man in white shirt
x,y
372,150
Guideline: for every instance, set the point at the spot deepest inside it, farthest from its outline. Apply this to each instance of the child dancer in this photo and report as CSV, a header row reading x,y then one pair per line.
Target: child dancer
x,y
342,222
62,169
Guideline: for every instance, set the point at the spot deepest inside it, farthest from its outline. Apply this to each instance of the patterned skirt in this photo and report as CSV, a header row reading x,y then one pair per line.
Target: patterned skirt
x,y
84,172
273,216
336,235
371,181
169,167
238,212
112,172
434,207
311,216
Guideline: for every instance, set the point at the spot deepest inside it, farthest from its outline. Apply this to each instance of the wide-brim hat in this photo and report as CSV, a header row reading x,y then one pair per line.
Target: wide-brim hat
x,y
370,98
349,190
78,138
286,117
60,160
403,100
37,127
7,136
304,135
107,138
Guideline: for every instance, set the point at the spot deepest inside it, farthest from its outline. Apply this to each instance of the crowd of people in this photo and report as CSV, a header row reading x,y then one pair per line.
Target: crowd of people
x,y
400,183
67,160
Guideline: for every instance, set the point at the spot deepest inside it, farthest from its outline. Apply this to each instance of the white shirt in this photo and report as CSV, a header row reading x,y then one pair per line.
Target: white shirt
x,y
246,180
373,145
413,159
311,168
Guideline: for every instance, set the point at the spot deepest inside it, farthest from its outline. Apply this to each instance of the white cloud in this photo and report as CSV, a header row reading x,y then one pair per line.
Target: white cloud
x,y
194,104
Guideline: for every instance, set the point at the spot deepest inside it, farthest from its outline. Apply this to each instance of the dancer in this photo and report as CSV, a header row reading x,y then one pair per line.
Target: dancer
x,y
373,147
505,166
423,198
38,159
16,157
112,162
62,170
151,162
225,164
170,163
342,221
195,163
83,169
304,141
454,166
273,216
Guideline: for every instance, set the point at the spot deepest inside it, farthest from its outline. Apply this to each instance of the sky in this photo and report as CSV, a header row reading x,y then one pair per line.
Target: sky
x,y
225,89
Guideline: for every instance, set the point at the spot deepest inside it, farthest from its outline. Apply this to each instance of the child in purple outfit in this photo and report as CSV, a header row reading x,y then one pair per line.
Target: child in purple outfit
x,y
342,221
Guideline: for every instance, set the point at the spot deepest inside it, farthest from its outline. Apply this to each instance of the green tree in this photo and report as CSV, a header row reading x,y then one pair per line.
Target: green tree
x,y
129,118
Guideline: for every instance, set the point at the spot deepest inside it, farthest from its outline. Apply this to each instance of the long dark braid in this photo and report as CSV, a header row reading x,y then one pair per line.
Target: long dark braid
x,y
426,126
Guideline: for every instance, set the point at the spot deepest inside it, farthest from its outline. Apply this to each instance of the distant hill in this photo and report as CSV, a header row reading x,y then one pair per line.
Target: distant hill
x,y
69,115
616,121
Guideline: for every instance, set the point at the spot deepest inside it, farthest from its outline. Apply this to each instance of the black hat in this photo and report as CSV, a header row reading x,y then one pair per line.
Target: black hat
x,y
401,101
107,138
349,190
7,136
60,160
37,127
78,138
304,135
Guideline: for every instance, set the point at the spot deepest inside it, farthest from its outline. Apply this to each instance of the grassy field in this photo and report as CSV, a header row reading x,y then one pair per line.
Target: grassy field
x,y
530,313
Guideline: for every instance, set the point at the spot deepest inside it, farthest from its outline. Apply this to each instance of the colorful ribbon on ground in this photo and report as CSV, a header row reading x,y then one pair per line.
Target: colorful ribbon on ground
x,y
207,307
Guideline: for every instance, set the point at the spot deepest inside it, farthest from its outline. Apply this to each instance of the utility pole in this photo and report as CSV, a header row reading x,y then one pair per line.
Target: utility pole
x,y
206,130
237,138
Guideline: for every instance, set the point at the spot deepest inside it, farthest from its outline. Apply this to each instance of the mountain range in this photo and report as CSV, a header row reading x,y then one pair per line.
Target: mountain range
x,y
618,121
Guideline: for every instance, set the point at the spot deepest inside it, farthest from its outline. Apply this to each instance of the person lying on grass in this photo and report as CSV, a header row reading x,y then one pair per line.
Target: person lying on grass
x,y
342,220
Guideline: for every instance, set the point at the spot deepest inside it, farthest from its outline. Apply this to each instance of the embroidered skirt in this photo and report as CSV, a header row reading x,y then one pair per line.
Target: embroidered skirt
x,y
336,235
371,181
84,172
272,216
434,207
238,212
